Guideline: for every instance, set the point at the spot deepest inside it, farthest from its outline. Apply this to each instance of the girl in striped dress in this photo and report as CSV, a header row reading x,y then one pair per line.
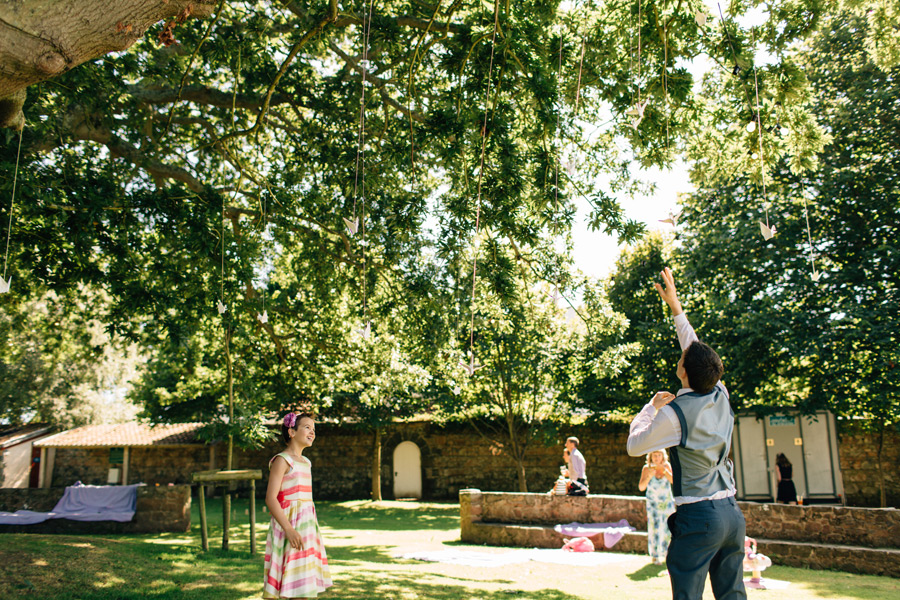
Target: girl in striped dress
x,y
295,563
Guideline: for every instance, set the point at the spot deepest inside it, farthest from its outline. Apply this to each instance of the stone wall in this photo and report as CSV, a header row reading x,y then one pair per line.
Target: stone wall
x,y
861,540
454,457
159,509
858,450
870,527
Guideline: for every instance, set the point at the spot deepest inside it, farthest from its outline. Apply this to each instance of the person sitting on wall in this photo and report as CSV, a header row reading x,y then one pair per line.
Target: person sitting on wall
x,y
577,469
561,485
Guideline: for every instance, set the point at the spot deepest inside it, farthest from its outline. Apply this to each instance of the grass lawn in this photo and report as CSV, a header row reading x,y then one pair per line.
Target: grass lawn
x,y
361,538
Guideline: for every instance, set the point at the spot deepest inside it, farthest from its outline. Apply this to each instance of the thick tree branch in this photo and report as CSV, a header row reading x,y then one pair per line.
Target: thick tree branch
x,y
40,39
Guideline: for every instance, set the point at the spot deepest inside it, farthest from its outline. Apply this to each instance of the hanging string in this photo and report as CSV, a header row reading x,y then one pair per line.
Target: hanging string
x,y
558,110
666,82
487,99
639,23
359,181
12,206
578,87
762,158
812,255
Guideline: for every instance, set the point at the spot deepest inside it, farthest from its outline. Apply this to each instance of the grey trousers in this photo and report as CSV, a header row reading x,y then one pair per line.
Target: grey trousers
x,y
707,537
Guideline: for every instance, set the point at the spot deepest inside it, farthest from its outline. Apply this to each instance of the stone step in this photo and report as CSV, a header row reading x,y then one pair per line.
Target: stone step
x,y
853,559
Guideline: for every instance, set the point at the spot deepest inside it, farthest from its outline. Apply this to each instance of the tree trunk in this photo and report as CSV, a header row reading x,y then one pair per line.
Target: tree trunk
x,y
520,472
376,467
226,501
40,39
880,465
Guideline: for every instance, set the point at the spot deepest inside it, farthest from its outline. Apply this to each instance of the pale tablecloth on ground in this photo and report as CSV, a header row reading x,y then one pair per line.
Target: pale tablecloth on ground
x,y
612,532
83,503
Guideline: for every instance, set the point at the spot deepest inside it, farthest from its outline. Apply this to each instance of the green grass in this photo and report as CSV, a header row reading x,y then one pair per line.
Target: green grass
x,y
362,539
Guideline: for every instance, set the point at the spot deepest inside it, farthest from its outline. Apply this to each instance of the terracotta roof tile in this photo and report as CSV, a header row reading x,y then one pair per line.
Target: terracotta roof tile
x,y
125,434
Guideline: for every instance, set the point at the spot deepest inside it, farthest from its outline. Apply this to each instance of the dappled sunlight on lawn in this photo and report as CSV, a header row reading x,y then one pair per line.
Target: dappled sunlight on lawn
x,y
363,540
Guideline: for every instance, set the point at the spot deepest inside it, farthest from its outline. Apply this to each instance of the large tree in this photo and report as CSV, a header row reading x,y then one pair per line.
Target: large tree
x,y
810,317
222,168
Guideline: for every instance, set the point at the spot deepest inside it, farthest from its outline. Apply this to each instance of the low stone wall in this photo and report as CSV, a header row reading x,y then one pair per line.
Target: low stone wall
x,y
159,509
862,540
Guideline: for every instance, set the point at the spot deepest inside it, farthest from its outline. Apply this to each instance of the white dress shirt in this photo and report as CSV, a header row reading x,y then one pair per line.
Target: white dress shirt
x,y
655,430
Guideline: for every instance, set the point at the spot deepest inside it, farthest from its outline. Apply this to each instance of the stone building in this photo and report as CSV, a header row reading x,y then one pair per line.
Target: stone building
x,y
19,459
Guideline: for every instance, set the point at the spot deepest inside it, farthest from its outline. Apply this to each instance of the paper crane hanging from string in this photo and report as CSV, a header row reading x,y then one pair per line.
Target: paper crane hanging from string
x,y
221,307
471,366
4,281
700,17
637,113
672,219
365,332
263,317
352,225
555,296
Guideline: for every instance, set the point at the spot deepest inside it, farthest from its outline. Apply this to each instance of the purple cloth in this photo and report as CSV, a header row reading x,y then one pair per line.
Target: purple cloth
x,y
83,503
612,532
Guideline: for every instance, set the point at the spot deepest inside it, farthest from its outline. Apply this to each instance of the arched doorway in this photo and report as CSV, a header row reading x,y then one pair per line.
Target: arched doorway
x,y
407,470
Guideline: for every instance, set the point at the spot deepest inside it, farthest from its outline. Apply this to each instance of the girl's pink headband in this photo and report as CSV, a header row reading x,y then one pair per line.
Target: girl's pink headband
x,y
290,420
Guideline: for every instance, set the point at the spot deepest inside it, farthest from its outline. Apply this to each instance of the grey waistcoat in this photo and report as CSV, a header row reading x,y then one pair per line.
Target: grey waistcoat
x,y
700,464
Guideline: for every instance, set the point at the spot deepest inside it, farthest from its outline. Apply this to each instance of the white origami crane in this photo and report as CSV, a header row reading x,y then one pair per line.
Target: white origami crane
x,y
571,165
767,232
222,308
673,218
457,390
471,366
263,318
637,111
352,225
555,295
365,331
816,274
751,126
700,17
4,285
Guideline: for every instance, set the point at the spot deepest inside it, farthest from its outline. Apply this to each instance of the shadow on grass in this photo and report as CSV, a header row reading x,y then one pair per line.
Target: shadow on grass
x,y
646,572
69,567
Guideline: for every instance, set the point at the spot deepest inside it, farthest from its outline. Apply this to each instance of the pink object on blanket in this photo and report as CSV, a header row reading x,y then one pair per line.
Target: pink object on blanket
x,y
612,532
83,503
579,544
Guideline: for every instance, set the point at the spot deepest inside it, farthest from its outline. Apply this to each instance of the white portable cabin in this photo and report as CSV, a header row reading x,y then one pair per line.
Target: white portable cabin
x,y
808,441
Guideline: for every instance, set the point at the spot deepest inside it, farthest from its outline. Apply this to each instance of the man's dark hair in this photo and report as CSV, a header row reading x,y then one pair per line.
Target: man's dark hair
x,y
703,367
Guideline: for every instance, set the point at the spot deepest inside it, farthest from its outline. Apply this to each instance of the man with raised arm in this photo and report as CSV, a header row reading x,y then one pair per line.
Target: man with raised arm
x,y
696,423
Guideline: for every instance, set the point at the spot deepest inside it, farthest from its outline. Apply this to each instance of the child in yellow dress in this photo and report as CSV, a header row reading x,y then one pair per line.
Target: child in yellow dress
x,y
295,563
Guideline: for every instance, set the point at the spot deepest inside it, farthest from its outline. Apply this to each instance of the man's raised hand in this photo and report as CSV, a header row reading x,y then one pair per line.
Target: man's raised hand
x,y
667,291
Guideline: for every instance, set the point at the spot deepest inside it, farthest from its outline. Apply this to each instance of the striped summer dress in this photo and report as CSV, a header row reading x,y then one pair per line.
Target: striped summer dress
x,y
294,573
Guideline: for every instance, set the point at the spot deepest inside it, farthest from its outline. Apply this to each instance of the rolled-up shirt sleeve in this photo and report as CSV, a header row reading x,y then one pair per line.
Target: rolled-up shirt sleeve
x,y
685,332
651,430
